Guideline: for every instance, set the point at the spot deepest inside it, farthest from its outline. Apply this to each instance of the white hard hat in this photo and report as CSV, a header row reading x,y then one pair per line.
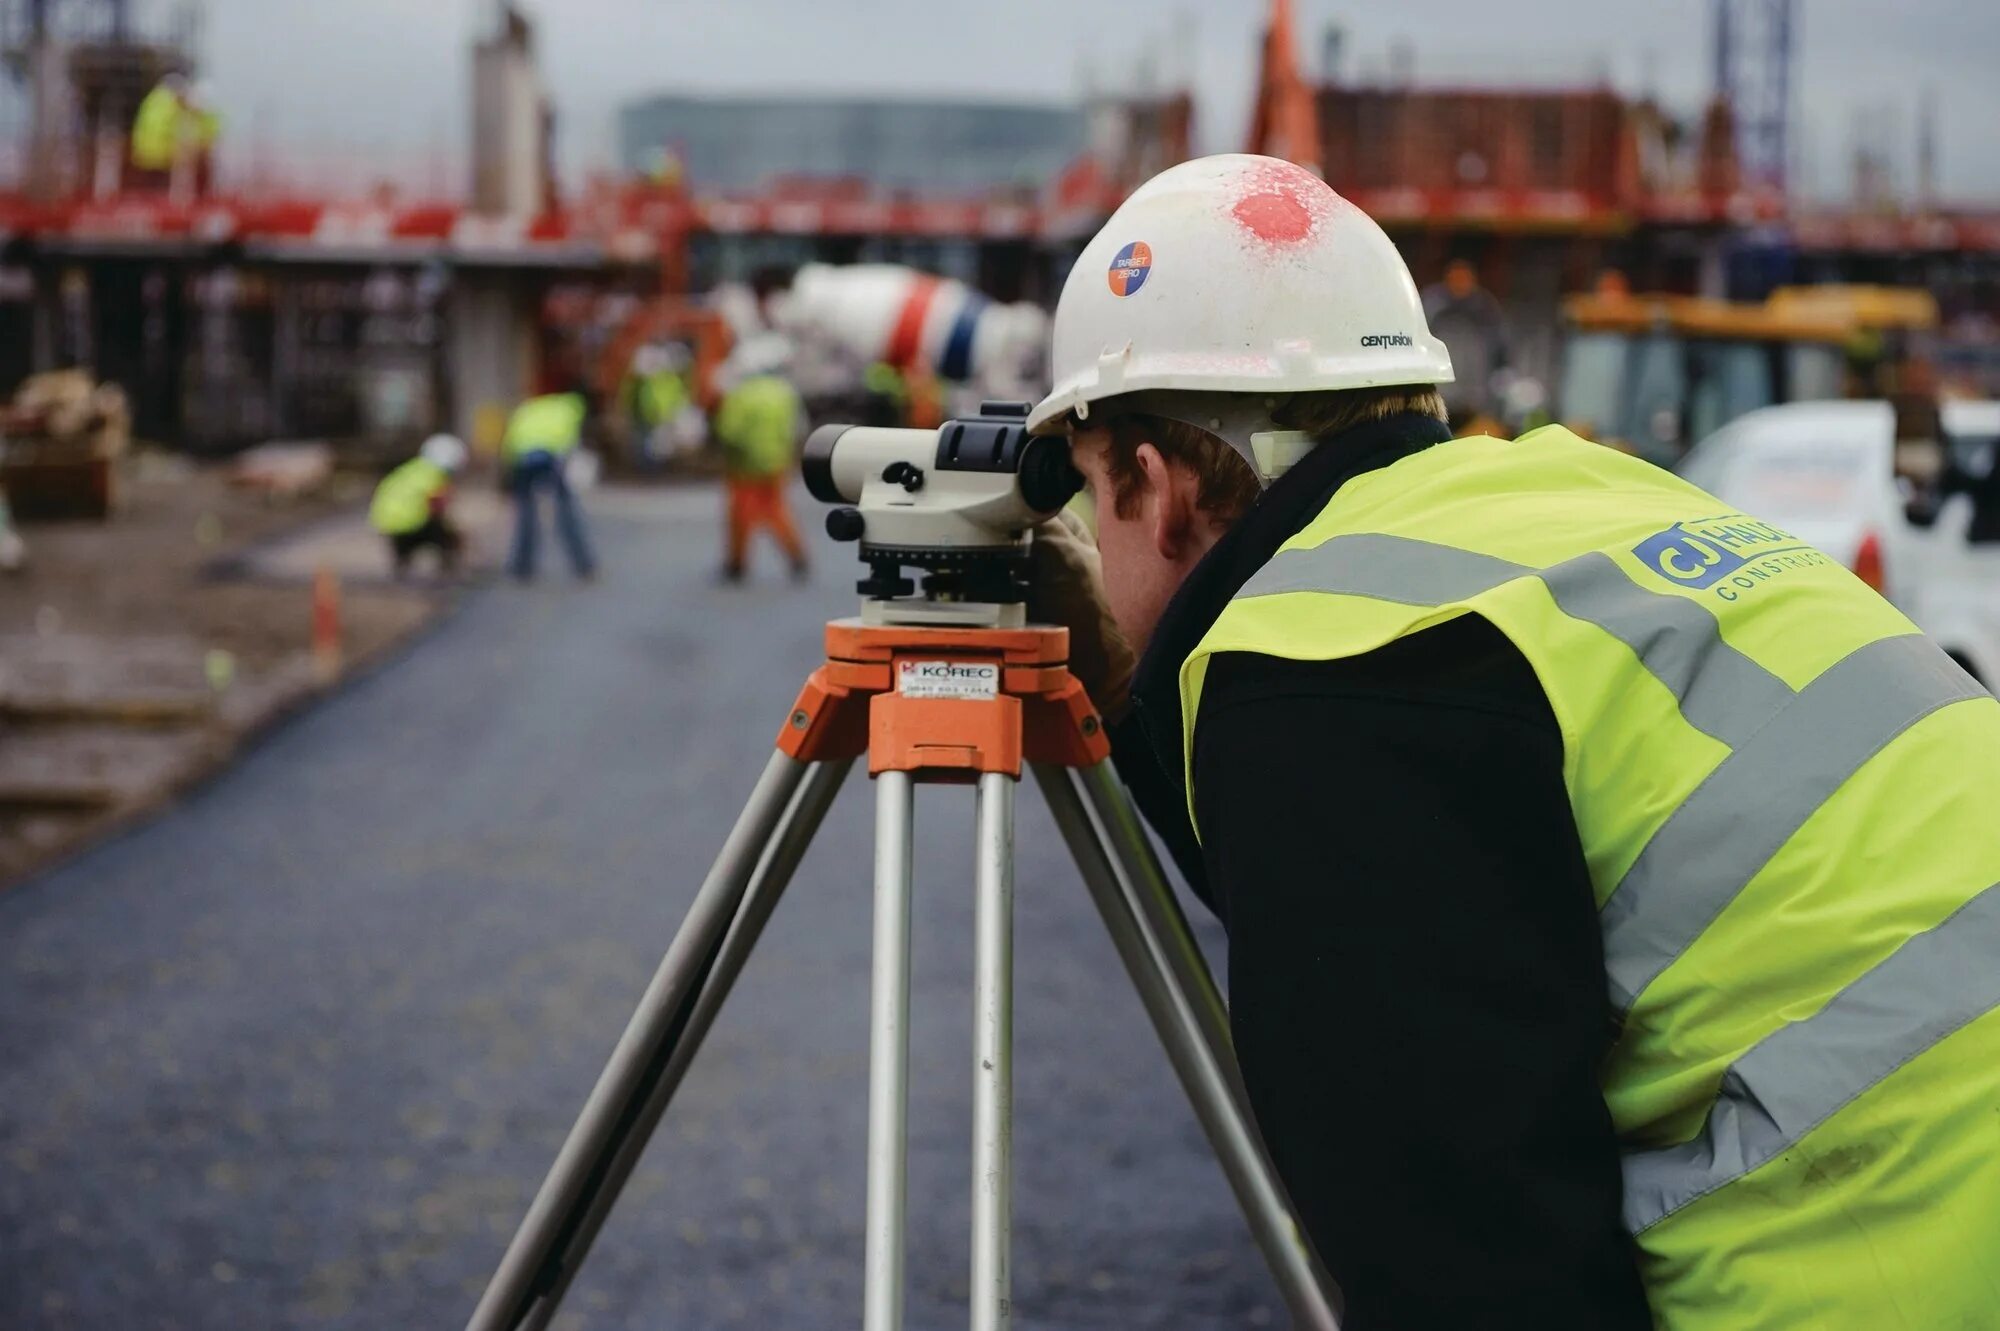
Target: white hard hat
x,y
445,451
1240,276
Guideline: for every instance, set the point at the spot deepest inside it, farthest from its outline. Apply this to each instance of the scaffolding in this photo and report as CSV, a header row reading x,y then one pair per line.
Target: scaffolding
x,y
84,66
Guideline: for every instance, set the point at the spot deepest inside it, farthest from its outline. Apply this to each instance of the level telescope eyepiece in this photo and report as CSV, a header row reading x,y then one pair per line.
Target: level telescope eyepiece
x,y
816,463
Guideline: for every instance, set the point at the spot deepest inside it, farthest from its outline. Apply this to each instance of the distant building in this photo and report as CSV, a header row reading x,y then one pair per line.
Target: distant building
x,y
1539,189
1449,140
932,147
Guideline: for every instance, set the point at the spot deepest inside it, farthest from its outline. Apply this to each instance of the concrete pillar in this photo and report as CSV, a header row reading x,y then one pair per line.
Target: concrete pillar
x,y
507,129
490,350
51,120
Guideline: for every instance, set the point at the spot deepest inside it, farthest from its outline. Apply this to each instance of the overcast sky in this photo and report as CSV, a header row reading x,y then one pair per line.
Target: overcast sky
x,y
385,80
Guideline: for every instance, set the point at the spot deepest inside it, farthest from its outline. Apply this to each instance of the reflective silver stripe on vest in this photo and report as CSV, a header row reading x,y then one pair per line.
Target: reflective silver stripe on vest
x,y
1383,568
1721,692
1801,1075
1757,798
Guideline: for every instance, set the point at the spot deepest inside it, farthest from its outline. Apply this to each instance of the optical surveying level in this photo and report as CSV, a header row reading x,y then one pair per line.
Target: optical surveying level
x,y
943,683
957,504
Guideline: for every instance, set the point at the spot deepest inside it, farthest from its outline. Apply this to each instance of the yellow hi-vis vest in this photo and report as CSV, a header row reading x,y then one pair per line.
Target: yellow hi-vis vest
x,y
552,423
758,425
656,398
402,502
1789,802
156,130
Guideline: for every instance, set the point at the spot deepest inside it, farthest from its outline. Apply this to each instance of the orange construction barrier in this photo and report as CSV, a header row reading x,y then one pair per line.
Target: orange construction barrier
x,y
326,649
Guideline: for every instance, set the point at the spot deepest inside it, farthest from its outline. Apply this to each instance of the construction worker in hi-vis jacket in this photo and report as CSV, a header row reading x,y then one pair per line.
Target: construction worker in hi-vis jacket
x,y
1611,878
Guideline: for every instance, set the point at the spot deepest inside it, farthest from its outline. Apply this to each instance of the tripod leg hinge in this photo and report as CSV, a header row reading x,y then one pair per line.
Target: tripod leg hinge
x,y
1063,729
827,723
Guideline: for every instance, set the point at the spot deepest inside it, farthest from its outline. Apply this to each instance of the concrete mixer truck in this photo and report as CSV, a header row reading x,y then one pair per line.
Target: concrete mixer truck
x,y
861,330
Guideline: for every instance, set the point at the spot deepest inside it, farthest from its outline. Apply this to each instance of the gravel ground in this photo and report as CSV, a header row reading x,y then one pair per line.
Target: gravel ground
x,y
296,1053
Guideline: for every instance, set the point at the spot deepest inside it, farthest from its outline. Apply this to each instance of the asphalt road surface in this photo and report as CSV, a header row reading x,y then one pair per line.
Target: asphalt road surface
x,y
297,1053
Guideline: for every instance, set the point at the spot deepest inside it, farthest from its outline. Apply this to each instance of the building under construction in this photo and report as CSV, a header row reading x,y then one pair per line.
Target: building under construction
x,y
1546,189
239,314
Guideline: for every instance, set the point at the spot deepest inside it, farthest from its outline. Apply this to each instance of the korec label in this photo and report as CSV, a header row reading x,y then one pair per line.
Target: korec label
x,y
947,679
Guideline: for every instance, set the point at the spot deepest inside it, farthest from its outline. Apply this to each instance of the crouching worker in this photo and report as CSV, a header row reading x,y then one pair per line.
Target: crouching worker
x,y
412,505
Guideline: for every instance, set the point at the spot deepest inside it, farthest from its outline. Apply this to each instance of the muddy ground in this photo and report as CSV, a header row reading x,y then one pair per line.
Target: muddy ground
x,y
138,653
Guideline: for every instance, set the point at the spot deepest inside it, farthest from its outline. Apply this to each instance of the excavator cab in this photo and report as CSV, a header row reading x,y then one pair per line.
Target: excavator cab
x,y
1652,374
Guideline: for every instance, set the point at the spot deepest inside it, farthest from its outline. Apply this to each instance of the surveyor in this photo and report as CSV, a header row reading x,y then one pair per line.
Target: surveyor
x,y
542,436
759,424
412,505
1610,878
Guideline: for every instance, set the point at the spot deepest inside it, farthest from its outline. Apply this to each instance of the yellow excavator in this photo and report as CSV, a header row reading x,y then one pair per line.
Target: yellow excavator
x,y
1653,374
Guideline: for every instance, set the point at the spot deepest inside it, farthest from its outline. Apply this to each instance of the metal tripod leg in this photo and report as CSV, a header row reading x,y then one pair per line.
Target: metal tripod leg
x,y
993,1053
750,874
1152,938
888,1056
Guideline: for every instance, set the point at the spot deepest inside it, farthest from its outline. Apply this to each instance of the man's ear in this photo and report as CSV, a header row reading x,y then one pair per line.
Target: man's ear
x,y
1173,510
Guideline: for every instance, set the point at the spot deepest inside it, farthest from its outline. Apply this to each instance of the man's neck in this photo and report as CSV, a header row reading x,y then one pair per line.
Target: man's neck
x,y
1230,557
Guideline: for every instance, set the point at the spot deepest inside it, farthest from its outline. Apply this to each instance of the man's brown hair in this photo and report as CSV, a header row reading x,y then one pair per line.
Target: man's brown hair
x,y
1225,485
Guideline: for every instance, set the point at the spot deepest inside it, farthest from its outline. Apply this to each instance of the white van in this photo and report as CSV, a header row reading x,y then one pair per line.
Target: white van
x,y
1826,471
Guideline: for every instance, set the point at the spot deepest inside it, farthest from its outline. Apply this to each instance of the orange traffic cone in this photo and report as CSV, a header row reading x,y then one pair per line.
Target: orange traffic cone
x,y
326,624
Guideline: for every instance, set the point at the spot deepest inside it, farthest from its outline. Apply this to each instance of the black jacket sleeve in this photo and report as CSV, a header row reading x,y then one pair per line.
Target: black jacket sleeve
x,y
1416,980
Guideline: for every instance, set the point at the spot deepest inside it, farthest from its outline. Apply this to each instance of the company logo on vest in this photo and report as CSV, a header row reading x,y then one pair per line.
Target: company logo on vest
x,y
1731,554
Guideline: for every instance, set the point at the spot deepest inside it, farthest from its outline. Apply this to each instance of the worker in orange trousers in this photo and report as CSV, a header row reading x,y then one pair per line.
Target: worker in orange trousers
x,y
758,425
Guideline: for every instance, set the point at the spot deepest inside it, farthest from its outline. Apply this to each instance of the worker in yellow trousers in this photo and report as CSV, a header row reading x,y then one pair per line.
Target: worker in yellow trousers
x,y
759,424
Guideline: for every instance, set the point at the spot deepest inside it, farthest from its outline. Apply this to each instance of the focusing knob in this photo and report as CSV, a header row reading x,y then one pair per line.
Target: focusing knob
x,y
905,474
845,524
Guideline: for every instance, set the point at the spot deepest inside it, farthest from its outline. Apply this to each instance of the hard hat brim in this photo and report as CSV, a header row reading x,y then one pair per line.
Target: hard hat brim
x,y
1072,399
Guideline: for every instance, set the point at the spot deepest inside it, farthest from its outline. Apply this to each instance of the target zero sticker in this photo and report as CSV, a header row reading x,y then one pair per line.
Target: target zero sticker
x,y
947,679
1129,269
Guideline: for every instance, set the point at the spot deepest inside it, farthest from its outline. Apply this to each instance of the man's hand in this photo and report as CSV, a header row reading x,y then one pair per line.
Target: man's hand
x,y
1066,587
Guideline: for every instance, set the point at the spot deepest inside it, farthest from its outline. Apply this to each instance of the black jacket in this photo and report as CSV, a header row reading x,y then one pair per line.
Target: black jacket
x,y
1416,980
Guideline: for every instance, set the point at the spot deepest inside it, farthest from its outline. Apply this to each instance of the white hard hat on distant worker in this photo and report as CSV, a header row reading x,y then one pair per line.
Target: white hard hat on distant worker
x,y
444,451
1224,283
